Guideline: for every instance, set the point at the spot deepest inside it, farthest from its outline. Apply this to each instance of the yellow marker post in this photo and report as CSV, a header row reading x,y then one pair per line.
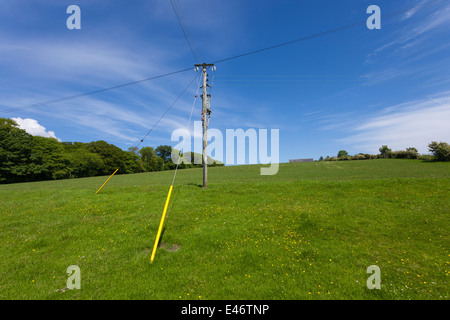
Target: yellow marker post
x,y
161,225
106,181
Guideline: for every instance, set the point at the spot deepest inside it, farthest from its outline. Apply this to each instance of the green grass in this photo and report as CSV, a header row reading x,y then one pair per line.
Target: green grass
x,y
309,232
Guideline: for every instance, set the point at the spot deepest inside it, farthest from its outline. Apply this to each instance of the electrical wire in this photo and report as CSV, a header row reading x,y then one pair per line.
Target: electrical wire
x,y
179,13
188,126
188,30
167,110
316,35
34,105
323,33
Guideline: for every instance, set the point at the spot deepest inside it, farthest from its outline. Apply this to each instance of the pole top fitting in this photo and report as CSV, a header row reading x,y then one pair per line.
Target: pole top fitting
x,y
204,65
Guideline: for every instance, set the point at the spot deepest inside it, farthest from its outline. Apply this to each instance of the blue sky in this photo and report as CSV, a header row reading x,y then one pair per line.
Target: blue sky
x,y
356,89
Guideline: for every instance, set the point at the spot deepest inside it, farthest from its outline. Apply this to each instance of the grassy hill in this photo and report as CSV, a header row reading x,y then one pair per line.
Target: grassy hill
x,y
197,158
309,232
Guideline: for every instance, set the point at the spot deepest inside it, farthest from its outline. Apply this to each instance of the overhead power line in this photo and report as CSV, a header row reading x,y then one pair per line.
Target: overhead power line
x,y
176,6
304,38
167,110
34,105
323,33
316,35
187,128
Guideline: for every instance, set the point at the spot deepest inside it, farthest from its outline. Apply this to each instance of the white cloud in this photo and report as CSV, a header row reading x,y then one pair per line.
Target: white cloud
x,y
32,127
414,124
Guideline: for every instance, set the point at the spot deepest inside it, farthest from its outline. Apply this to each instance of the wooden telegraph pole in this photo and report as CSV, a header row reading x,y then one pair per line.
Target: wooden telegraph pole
x,y
205,113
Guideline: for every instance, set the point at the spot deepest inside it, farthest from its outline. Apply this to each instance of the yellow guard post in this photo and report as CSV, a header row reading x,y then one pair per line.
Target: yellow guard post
x,y
106,181
161,225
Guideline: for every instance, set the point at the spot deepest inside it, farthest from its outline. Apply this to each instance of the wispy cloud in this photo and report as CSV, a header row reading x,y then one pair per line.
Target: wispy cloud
x,y
411,124
407,48
54,70
412,30
411,12
50,60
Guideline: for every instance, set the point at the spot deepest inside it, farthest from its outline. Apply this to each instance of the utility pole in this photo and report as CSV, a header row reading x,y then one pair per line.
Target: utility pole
x,y
205,112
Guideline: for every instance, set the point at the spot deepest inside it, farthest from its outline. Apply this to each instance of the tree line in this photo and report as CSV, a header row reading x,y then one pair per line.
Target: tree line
x,y
439,152
25,158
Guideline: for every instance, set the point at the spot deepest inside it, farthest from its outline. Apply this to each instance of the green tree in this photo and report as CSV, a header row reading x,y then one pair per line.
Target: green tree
x,y
49,154
134,150
85,164
164,152
133,163
24,157
82,161
440,151
342,153
150,160
412,153
18,162
385,151
112,156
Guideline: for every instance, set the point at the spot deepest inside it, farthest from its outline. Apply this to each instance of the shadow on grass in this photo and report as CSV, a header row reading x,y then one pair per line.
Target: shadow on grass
x,y
195,184
161,236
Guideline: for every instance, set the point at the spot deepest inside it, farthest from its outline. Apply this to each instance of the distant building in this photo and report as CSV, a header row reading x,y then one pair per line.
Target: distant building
x,y
302,160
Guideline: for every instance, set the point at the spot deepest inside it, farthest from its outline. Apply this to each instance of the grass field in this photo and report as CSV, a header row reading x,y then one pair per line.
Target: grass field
x,y
309,232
